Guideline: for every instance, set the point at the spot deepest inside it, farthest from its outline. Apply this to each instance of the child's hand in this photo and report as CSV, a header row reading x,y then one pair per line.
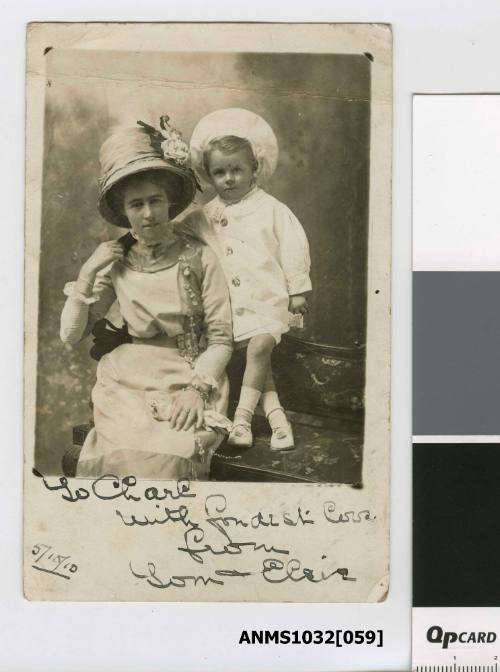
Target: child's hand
x,y
298,304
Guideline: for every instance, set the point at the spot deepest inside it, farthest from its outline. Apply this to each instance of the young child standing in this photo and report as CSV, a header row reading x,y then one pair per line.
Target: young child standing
x,y
263,250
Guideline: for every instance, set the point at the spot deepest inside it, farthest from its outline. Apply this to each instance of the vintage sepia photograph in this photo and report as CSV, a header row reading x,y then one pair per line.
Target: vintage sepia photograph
x,y
208,271
266,307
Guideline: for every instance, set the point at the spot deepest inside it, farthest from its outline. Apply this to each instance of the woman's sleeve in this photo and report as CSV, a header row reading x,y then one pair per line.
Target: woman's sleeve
x,y
82,311
212,363
294,251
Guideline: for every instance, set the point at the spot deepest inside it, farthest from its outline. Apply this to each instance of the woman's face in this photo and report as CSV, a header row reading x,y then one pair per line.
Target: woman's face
x,y
146,207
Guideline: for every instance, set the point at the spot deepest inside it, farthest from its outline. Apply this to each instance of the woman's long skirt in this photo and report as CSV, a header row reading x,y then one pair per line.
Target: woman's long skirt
x,y
135,385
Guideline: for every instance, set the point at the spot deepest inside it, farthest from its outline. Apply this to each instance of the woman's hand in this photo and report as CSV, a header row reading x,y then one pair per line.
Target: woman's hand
x,y
186,410
298,304
104,254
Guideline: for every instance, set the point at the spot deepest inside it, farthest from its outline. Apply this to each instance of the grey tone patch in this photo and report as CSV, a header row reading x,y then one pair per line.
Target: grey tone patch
x,y
456,353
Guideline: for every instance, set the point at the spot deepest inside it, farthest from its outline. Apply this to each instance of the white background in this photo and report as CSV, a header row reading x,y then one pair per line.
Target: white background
x,y
456,180
439,46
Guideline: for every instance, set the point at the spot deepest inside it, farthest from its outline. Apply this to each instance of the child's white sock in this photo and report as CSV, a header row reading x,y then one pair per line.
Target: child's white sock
x,y
272,408
249,398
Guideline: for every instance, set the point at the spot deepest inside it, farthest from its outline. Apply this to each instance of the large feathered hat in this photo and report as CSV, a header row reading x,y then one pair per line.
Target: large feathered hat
x,y
132,150
243,124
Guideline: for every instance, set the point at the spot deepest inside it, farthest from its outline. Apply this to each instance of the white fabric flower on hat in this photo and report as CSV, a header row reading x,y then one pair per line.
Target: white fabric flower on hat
x,y
176,150
173,146
243,124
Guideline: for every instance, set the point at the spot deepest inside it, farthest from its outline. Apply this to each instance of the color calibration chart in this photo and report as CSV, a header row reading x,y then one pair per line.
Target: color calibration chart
x,y
456,383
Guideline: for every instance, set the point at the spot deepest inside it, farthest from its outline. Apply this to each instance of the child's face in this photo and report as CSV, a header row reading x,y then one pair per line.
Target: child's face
x,y
233,175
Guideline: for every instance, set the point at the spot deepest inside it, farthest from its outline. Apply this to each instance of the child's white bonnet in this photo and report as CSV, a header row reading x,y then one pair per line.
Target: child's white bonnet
x,y
242,123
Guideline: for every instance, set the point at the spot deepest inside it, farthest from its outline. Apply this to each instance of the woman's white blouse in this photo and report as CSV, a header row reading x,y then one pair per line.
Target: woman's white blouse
x,y
150,304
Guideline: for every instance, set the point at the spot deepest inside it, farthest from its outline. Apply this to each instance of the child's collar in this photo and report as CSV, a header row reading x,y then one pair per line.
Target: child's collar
x,y
246,206
248,195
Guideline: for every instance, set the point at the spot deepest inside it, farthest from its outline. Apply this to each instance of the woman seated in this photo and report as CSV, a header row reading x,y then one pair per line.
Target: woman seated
x,y
161,393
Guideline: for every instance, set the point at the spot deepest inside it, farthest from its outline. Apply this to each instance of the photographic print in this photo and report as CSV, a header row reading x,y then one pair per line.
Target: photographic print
x,y
207,317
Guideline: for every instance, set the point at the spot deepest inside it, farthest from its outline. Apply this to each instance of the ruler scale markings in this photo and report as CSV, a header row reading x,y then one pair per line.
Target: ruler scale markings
x,y
484,667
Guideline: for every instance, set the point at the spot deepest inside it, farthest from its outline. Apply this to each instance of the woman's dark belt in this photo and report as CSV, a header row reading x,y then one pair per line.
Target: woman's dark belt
x,y
107,337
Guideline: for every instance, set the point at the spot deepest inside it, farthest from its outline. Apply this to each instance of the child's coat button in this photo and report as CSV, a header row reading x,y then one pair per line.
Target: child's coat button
x,y
236,282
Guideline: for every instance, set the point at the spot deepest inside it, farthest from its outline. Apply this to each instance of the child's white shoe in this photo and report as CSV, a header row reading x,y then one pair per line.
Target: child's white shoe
x,y
282,438
241,435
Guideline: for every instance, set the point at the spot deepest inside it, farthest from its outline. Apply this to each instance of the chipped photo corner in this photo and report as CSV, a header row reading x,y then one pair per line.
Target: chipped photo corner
x,y
207,312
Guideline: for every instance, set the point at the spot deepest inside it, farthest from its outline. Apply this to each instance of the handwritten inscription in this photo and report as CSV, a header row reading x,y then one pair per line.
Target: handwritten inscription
x,y
109,487
46,559
207,535
273,571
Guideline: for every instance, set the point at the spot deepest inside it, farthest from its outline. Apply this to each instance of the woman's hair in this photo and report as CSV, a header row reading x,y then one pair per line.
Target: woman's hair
x,y
171,184
228,144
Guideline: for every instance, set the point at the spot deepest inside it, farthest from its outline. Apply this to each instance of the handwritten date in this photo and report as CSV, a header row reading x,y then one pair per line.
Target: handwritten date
x,y
49,561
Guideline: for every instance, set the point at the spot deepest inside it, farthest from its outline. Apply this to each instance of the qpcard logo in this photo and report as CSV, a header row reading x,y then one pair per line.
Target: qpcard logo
x,y
436,635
